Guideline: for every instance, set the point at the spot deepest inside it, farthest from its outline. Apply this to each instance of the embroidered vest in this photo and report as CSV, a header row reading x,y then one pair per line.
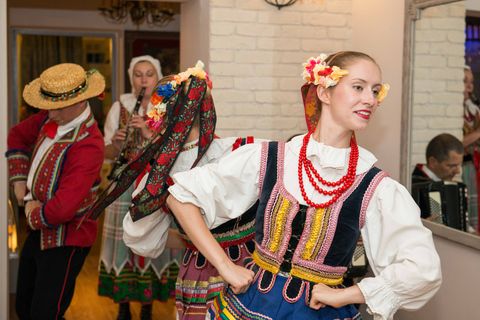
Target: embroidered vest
x,y
136,144
324,249
229,235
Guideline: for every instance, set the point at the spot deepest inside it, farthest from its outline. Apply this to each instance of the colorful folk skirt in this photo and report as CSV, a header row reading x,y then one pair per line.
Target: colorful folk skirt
x,y
198,281
469,177
125,276
275,297
131,285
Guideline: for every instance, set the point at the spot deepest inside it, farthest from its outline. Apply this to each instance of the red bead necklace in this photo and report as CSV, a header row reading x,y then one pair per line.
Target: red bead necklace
x,y
344,183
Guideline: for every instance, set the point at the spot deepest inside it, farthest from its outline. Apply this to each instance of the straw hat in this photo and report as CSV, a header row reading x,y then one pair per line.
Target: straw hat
x,y
63,85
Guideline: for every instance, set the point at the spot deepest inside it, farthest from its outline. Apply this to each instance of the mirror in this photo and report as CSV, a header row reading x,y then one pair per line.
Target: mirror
x,y
434,58
34,50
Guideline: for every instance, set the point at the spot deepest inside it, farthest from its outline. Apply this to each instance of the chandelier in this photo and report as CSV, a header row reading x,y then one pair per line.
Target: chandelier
x,y
153,13
281,3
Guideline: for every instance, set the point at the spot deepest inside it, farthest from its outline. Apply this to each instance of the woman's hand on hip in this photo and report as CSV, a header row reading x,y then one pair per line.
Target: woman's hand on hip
x,y
238,277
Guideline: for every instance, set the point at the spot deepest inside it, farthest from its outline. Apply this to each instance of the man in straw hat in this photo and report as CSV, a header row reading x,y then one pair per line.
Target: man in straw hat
x,y
60,179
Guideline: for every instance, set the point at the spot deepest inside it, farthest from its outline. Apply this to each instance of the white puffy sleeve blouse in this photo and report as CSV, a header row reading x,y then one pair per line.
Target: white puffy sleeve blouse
x,y
400,250
148,236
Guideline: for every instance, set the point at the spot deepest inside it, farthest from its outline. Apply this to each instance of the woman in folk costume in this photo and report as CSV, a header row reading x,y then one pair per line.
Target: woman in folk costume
x,y
184,117
471,142
124,276
317,194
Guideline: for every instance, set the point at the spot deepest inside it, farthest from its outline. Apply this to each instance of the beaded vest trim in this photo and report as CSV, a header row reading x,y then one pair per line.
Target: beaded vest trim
x,y
311,260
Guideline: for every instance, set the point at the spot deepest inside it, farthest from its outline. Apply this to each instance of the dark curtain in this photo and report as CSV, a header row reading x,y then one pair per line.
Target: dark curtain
x,y
39,52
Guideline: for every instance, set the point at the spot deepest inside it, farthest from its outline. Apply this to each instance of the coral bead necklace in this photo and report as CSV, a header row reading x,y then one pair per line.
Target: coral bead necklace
x,y
343,184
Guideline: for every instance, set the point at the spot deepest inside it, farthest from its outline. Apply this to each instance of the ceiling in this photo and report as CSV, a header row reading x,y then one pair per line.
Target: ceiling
x,y
69,5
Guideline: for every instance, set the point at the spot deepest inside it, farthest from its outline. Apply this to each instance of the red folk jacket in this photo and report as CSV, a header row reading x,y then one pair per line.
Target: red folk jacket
x,y
66,179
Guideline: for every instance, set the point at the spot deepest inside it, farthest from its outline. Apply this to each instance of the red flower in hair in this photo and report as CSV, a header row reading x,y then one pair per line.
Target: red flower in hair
x,y
163,159
156,99
179,127
325,72
194,94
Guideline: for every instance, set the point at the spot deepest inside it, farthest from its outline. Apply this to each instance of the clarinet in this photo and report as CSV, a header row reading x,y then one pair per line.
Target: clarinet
x,y
121,159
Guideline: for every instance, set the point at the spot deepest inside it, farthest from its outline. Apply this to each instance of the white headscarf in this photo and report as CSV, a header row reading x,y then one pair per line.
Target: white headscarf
x,y
152,60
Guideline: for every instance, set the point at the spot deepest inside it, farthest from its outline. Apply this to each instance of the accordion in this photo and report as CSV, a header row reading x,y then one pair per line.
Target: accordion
x,y
359,265
448,200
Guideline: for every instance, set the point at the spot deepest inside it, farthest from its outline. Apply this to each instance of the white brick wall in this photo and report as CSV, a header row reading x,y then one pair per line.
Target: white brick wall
x,y
256,56
437,76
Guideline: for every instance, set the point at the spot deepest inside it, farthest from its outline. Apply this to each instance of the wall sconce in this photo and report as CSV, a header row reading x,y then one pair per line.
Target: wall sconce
x,y
281,3
140,11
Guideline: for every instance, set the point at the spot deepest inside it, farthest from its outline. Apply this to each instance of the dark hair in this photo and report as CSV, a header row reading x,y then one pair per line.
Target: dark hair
x,y
440,147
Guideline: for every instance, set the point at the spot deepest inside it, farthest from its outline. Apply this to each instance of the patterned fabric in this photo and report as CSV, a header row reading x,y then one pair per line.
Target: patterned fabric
x,y
17,165
471,170
165,149
309,95
313,259
131,285
154,195
125,276
297,247
199,282
271,305
45,184
469,177
137,142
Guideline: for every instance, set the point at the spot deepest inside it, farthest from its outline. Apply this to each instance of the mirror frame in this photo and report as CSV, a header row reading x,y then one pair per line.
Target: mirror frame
x,y
412,13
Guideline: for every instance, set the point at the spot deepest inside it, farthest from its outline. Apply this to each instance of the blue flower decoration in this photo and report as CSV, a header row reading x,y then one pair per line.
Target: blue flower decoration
x,y
165,91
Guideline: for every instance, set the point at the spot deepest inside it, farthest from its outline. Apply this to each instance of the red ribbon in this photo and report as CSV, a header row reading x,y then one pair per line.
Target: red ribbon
x,y
50,128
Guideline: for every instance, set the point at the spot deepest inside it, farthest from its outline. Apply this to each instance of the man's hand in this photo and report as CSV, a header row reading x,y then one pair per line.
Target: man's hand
x,y
19,190
30,205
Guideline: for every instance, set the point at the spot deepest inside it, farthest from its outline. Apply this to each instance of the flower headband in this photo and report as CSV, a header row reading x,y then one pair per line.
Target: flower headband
x,y
317,72
165,92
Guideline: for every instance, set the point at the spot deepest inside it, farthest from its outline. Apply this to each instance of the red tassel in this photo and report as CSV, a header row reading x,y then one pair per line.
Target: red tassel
x,y
101,96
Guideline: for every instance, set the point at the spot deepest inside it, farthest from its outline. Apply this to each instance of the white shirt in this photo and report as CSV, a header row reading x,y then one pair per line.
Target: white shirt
x,y
400,250
147,237
47,143
430,173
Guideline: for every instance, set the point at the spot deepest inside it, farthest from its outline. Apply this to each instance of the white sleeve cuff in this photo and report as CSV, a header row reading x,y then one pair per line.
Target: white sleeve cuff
x,y
381,300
